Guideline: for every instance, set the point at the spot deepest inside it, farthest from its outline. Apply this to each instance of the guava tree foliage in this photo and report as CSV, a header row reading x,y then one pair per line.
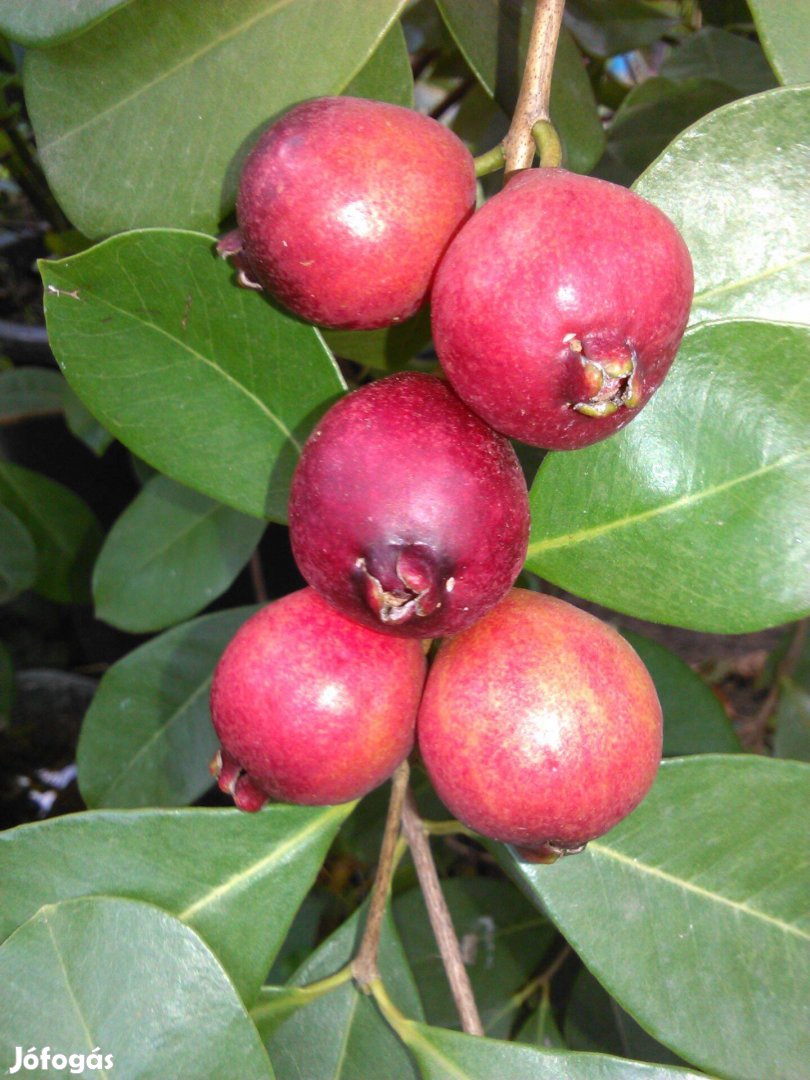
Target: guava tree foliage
x,y
676,945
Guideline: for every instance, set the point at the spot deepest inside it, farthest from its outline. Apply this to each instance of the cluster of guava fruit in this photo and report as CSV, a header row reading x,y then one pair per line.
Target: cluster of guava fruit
x,y
557,310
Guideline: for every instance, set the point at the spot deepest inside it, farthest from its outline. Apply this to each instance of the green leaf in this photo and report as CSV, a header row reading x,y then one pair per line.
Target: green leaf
x,y
64,531
168,556
651,115
449,1055
236,879
712,53
147,118
341,1034
389,349
494,38
782,29
206,381
735,184
693,912
540,1027
46,22
595,1022
18,556
147,738
792,738
694,720
386,75
127,980
30,391
607,27
503,939
696,513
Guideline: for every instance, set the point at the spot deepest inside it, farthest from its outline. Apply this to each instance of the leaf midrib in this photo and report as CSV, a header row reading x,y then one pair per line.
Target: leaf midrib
x,y
154,327
699,890
186,61
690,499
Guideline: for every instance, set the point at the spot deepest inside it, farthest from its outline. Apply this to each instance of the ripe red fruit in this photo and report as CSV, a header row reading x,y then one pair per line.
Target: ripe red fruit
x,y
559,307
311,708
539,726
407,512
345,207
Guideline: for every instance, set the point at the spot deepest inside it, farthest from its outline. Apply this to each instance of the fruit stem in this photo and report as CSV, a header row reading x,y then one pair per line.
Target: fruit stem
x,y
439,916
448,828
535,89
364,968
257,577
489,162
547,141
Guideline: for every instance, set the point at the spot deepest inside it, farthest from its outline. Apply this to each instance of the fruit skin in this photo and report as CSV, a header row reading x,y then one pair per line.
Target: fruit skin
x,y
554,271
406,511
311,708
540,726
345,207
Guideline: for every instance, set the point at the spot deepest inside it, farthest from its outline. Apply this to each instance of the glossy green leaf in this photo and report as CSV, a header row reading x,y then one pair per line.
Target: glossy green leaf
x,y
146,119
147,738
651,115
389,349
728,58
694,720
127,980
83,424
386,75
503,940
168,556
341,1035
494,38
782,30
607,27
236,879
64,531
595,1022
449,1055
736,186
46,22
206,381
792,719
696,513
18,556
693,912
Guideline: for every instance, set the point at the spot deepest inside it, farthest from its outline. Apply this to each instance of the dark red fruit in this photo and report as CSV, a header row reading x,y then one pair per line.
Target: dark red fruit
x,y
311,708
539,726
559,307
345,207
407,512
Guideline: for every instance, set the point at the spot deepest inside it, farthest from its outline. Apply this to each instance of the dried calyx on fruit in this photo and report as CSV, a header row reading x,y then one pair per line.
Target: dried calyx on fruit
x,y
559,307
540,726
407,512
345,207
311,708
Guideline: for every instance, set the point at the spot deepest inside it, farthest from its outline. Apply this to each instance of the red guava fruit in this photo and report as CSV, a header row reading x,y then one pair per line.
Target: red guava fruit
x,y
345,207
539,726
407,512
559,307
311,708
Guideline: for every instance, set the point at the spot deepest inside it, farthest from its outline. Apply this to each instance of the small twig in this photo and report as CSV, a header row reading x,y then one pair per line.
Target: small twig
x,y
535,89
448,828
754,729
364,967
450,99
543,979
257,577
440,918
